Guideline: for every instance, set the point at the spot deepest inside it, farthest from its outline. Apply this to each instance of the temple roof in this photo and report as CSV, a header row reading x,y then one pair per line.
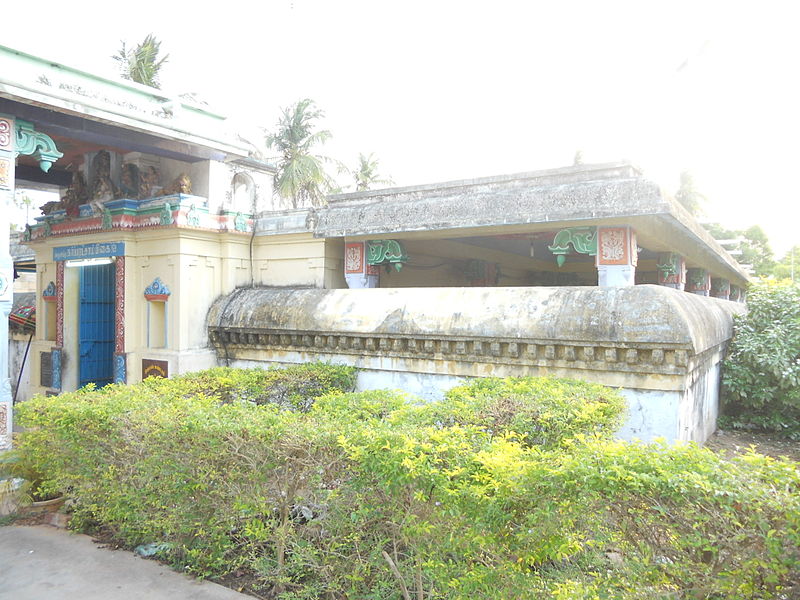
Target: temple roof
x,y
600,194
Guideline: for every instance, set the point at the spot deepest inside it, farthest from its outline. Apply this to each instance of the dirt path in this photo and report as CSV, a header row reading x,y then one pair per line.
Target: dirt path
x,y
731,443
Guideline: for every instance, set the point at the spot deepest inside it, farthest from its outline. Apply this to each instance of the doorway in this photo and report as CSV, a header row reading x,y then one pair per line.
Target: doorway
x,y
96,325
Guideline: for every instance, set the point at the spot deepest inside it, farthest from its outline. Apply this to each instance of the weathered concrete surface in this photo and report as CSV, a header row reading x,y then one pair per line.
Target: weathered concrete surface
x,y
662,346
45,562
643,314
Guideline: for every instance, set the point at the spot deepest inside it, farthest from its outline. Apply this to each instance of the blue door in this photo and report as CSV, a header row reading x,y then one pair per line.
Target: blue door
x,y
96,325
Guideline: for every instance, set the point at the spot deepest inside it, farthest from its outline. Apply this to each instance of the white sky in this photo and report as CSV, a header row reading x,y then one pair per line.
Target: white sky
x,y
450,90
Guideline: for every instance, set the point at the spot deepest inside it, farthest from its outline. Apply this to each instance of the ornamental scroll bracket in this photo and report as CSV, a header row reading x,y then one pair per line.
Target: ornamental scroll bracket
x,y
582,239
39,145
386,252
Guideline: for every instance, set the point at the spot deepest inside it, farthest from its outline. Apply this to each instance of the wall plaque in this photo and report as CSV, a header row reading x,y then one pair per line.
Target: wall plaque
x,y
154,368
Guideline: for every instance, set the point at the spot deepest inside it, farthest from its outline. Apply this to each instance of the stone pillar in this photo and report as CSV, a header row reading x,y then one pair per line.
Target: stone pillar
x,y
698,281
617,256
671,270
357,272
7,162
720,288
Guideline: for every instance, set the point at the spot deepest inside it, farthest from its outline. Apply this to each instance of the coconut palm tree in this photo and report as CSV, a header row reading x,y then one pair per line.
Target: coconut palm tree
x,y
143,63
688,196
366,174
301,175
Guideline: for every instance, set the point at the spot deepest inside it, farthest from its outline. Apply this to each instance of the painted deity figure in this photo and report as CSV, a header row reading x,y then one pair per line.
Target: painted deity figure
x,y
181,185
148,182
103,189
129,181
76,195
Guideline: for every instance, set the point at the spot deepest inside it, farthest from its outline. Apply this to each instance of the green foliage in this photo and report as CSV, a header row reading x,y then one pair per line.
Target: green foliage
x,y
789,266
754,247
291,388
366,173
541,411
375,495
143,63
761,375
301,175
688,196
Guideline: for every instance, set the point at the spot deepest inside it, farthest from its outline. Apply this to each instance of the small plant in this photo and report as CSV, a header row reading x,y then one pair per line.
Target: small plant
x,y
15,464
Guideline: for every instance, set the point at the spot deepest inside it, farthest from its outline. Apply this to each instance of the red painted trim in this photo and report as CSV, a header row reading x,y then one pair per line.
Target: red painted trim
x,y
60,304
119,309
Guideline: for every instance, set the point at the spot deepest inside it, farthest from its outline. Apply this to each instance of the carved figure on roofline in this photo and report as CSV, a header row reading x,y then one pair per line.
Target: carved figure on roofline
x,y
76,195
148,182
129,181
103,189
181,185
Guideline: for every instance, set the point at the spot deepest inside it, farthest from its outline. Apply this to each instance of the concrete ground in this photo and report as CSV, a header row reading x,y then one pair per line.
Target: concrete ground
x,y
46,562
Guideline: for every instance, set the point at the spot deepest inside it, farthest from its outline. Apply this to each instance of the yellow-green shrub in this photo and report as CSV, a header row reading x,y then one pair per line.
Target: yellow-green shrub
x,y
375,495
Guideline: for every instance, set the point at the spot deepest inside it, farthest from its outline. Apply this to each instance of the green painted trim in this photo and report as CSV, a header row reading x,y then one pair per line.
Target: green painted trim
x,y
39,145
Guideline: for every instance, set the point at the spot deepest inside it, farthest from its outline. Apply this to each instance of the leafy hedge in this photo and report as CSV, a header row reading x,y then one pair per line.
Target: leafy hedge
x,y
761,374
375,496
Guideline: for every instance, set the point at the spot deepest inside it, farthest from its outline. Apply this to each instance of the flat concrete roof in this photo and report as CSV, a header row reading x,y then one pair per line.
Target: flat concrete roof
x,y
599,194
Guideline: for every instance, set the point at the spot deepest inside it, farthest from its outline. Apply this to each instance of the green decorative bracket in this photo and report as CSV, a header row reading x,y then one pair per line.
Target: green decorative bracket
x,y
582,239
386,252
669,267
38,145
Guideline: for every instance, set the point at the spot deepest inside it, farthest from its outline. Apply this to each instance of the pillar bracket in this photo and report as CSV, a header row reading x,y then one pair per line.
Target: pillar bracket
x,y
582,239
39,145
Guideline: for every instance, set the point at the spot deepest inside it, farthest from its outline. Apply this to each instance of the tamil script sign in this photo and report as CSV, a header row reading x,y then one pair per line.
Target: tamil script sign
x,y
97,250
154,368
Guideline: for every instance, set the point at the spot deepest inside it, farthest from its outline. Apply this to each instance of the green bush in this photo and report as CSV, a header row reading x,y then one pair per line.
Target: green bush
x,y
292,388
375,495
761,375
541,411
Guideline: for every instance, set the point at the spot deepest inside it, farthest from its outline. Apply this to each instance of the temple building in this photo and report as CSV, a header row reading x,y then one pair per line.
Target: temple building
x,y
168,252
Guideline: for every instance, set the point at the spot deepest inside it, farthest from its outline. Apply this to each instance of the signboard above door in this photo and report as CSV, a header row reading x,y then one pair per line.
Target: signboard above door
x,y
83,251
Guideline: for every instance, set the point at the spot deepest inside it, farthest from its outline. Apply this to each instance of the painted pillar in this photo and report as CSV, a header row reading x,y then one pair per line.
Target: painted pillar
x,y
617,256
698,281
720,288
671,270
357,272
7,162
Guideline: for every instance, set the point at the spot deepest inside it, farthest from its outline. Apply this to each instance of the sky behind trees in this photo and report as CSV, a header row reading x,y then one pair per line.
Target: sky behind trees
x,y
450,90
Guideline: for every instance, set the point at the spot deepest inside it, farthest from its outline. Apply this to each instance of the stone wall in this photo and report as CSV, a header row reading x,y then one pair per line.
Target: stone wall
x,y
661,346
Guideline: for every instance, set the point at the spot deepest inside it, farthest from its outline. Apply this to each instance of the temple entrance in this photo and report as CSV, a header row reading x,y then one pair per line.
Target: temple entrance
x,y
96,325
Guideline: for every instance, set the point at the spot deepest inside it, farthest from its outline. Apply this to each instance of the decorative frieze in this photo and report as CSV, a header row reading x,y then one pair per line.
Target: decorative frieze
x,y
645,359
617,256
119,306
357,272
